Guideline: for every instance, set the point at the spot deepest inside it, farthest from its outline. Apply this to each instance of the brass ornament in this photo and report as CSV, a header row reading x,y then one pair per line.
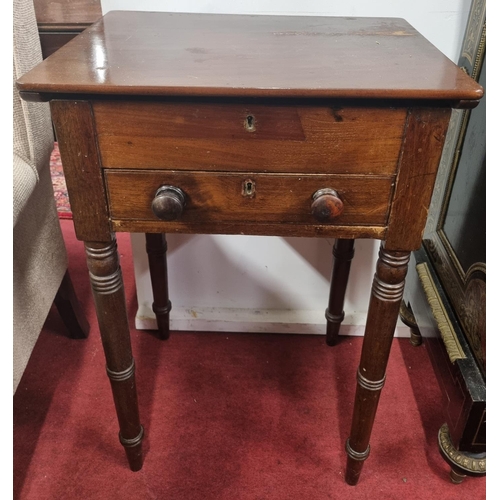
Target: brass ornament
x,y
469,464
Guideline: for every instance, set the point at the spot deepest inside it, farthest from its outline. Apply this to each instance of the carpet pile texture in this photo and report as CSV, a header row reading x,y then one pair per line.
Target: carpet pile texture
x,y
227,416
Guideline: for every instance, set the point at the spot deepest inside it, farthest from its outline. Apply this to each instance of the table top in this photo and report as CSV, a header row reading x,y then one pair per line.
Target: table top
x,y
166,54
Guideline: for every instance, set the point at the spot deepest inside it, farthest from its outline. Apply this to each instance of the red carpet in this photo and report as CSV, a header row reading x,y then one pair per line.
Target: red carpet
x,y
227,416
59,184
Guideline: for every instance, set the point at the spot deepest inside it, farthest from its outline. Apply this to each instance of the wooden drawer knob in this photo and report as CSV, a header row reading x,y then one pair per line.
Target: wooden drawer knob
x,y
326,205
168,203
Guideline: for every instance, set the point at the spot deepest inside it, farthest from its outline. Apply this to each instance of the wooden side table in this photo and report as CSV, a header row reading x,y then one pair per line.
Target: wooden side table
x,y
285,126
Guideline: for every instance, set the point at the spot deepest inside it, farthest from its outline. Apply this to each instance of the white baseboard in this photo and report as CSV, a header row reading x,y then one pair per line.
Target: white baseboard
x,y
254,321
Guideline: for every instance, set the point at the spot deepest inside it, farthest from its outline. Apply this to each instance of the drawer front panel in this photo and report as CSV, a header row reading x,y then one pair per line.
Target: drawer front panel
x,y
214,197
256,138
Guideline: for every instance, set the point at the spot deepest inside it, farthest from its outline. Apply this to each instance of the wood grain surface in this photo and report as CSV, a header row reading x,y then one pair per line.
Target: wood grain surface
x,y
421,154
205,136
67,12
75,133
264,229
214,197
153,53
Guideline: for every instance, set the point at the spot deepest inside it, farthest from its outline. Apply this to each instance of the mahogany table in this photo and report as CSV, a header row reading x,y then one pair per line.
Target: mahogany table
x,y
265,125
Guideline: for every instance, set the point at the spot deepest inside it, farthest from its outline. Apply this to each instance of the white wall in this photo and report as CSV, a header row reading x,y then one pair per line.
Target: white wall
x,y
255,283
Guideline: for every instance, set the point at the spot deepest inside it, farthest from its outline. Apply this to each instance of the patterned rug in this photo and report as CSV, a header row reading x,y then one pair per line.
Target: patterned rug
x,y
59,183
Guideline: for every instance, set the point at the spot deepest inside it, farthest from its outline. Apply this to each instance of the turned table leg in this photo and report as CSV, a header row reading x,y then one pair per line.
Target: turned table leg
x,y
107,288
343,252
387,291
156,247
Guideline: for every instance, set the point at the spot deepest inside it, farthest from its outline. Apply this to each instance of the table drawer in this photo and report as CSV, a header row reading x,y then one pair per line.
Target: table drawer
x,y
249,137
226,197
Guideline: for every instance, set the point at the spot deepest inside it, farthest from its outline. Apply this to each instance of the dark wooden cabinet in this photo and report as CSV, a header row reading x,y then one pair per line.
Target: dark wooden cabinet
x,y
60,21
446,284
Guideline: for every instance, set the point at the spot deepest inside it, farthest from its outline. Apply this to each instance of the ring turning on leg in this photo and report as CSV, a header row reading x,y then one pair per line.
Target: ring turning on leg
x,y
107,288
387,291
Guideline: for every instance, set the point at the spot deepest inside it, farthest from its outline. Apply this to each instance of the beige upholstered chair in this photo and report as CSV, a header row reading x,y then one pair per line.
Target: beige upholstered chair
x,y
40,261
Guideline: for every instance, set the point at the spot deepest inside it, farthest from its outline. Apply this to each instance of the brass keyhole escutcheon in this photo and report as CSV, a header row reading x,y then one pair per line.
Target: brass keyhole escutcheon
x,y
249,123
248,188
